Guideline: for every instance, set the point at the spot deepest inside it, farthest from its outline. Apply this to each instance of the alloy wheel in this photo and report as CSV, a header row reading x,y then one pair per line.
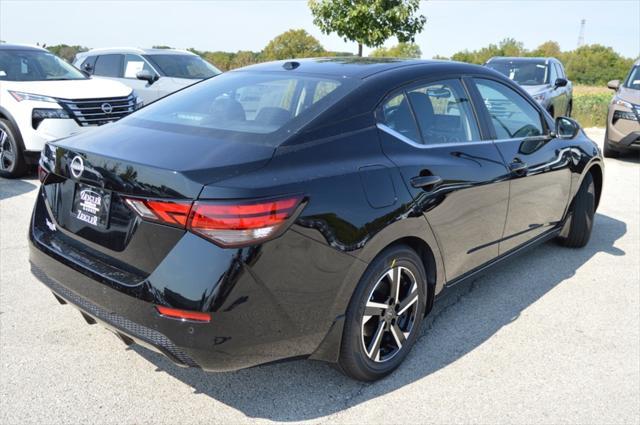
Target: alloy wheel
x,y
390,314
7,154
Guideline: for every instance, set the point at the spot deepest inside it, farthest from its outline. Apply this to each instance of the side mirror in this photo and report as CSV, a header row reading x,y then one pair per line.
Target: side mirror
x,y
614,84
146,75
85,73
566,128
561,82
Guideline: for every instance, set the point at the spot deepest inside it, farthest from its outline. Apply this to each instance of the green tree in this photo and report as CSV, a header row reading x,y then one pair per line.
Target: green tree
x,y
596,64
244,58
547,49
401,50
292,44
369,22
66,52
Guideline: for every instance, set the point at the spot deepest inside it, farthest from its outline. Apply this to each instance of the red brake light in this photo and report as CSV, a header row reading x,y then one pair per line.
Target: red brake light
x,y
174,313
242,223
173,213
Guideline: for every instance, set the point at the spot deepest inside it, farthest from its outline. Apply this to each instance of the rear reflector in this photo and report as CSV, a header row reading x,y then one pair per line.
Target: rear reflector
x,y
243,223
224,223
174,313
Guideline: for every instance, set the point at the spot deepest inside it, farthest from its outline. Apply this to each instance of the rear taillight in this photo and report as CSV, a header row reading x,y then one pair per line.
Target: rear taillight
x,y
173,213
224,223
241,223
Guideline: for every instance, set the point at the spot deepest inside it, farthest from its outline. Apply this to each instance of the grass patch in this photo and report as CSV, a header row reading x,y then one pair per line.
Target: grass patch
x,y
590,104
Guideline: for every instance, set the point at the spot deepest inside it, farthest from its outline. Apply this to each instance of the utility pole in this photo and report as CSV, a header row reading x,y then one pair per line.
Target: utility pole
x,y
581,35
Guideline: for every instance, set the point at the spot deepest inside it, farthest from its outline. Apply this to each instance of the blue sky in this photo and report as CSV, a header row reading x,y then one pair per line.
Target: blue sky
x,y
249,25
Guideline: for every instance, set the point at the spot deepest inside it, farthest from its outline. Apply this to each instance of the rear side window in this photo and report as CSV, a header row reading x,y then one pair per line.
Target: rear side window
x,y
397,115
444,113
108,66
511,114
241,104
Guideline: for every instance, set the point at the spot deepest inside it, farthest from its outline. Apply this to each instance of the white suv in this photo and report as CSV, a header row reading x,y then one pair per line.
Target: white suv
x,y
43,98
152,73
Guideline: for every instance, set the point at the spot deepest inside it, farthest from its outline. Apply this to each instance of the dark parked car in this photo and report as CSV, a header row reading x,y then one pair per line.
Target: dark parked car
x,y
623,117
305,209
542,78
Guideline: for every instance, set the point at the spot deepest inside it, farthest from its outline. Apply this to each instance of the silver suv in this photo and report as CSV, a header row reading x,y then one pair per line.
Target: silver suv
x,y
152,73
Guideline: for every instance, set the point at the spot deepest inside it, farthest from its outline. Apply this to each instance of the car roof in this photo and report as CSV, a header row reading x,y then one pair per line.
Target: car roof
x,y
135,50
522,59
350,67
4,46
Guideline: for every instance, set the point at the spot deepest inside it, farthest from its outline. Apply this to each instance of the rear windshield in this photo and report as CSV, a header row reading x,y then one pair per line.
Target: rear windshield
x,y
34,65
183,66
633,80
525,73
265,107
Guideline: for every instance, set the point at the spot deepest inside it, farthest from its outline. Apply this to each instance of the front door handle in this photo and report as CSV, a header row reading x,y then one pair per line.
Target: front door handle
x,y
518,167
426,182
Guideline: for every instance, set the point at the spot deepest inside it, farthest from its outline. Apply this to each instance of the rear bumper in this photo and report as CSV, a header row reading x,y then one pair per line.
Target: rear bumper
x,y
262,308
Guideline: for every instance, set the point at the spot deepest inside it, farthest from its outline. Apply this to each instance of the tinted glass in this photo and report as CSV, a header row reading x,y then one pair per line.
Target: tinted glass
x,y
108,66
633,80
525,73
397,115
241,105
88,64
444,113
512,116
134,64
183,66
560,71
28,65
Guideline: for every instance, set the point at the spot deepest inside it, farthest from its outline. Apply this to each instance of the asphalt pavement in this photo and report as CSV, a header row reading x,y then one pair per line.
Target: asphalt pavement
x,y
552,336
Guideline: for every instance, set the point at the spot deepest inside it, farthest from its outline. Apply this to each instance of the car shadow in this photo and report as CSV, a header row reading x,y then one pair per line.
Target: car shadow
x,y
463,318
631,157
10,188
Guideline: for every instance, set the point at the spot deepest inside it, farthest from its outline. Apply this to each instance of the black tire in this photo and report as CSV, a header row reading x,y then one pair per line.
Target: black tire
x,y
355,360
551,112
579,224
609,151
569,109
12,162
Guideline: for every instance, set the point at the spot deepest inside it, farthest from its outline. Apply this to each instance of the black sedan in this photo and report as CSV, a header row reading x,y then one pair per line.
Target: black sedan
x,y
309,208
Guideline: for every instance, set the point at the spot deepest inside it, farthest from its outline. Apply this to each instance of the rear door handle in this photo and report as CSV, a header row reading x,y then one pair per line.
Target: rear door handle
x,y
518,167
426,182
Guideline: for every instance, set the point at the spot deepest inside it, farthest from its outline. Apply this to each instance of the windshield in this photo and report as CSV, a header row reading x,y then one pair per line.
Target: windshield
x,y
633,80
183,66
31,65
525,73
242,105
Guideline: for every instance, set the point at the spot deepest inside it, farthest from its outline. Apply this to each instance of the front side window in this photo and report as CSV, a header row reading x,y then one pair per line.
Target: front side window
x,y
553,73
183,66
511,114
444,113
32,65
108,66
525,73
633,80
243,105
134,64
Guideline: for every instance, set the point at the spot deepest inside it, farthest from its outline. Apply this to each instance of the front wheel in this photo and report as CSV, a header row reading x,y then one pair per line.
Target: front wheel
x,y
608,151
12,163
384,315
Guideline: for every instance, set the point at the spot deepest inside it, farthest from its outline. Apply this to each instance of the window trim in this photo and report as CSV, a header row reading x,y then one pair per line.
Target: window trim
x,y
545,124
483,131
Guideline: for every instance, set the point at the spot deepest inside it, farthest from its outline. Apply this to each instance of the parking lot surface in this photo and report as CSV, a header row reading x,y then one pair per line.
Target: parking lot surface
x,y
551,336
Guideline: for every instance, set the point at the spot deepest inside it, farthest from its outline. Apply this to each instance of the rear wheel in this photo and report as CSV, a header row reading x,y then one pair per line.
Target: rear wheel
x,y
12,163
385,315
569,108
577,229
